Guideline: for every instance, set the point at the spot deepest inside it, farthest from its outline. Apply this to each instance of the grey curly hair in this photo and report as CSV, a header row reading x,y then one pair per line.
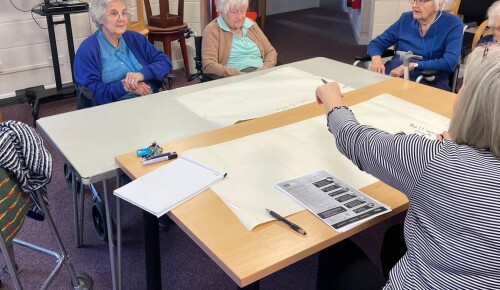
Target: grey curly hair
x,y
98,9
224,6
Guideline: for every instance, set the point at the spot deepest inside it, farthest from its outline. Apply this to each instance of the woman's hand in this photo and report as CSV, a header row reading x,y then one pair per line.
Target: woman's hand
x,y
262,68
142,89
377,64
131,80
329,95
397,72
443,136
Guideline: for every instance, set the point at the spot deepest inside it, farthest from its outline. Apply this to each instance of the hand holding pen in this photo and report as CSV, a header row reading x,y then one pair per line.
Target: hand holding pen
x,y
329,95
293,226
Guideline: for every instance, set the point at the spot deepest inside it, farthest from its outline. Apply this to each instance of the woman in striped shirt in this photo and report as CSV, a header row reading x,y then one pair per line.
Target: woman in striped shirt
x,y
452,227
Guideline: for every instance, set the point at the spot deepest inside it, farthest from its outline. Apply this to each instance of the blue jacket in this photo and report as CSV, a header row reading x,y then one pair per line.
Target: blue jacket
x,y
87,66
443,42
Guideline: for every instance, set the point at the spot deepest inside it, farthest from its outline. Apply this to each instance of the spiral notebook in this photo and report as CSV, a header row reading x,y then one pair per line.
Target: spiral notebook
x,y
170,185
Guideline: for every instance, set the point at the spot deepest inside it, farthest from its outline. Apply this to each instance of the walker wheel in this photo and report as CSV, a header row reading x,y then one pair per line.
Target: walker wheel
x,y
86,282
99,218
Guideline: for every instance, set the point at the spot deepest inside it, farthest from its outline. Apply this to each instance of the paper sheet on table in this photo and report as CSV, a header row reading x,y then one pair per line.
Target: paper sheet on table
x,y
276,91
257,162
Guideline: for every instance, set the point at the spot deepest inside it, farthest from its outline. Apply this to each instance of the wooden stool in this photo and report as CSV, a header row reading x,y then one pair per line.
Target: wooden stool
x,y
167,35
139,24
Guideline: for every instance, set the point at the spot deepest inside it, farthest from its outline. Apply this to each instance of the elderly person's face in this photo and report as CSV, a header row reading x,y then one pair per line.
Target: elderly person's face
x,y
423,10
235,17
496,29
115,19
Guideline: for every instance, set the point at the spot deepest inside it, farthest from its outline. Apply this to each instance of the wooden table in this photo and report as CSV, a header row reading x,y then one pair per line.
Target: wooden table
x,y
248,256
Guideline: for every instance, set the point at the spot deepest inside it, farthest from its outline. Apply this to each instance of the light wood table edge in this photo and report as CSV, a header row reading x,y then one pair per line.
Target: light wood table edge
x,y
401,88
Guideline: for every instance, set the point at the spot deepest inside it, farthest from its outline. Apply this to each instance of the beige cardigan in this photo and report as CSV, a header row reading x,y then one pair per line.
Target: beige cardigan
x,y
216,48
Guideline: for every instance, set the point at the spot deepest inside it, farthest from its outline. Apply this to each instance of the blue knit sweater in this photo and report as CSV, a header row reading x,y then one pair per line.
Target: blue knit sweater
x,y
87,66
440,47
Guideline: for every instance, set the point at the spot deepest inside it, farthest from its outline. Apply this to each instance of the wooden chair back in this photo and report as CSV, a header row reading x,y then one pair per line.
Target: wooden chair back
x,y
482,31
139,25
165,19
453,7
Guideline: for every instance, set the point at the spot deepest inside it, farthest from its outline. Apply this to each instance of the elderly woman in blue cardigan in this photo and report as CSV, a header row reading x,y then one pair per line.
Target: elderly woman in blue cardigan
x,y
426,31
115,63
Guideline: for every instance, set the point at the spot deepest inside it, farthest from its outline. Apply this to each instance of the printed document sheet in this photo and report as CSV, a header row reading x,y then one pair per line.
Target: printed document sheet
x,y
257,162
333,201
276,91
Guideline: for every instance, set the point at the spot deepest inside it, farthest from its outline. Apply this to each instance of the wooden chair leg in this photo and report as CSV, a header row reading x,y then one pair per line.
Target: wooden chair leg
x,y
167,48
185,57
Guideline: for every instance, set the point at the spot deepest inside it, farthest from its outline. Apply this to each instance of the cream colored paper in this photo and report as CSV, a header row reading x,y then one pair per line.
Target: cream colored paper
x,y
256,163
276,91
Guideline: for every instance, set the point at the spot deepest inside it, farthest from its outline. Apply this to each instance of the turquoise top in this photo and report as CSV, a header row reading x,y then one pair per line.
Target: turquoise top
x,y
244,52
116,62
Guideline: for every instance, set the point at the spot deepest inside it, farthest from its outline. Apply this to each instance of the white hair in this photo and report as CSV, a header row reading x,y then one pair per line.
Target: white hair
x,y
492,13
97,10
476,117
224,6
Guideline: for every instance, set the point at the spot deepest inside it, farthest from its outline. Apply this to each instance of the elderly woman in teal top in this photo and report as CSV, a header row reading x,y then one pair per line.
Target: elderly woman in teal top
x,y
115,63
233,44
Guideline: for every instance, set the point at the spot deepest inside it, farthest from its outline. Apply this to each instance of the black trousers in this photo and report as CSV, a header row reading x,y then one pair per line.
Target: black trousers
x,y
345,266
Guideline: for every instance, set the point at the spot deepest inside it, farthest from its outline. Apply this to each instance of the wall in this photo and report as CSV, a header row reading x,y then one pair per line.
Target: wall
x,y
360,21
25,50
374,17
385,13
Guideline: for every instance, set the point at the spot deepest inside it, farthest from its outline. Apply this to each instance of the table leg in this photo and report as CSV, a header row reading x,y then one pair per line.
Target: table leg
x,y
118,237
111,244
81,211
74,190
152,251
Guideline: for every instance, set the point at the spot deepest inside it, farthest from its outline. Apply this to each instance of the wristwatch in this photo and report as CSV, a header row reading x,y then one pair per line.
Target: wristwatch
x,y
415,65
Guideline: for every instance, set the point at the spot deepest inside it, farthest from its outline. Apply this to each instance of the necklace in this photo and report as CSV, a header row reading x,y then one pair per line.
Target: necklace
x,y
421,27
428,57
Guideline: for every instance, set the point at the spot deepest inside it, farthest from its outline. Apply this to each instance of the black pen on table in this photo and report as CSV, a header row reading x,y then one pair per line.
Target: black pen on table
x,y
293,226
324,81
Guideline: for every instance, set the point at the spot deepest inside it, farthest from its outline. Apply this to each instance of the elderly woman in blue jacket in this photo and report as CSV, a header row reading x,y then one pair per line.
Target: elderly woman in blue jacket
x,y
115,63
426,31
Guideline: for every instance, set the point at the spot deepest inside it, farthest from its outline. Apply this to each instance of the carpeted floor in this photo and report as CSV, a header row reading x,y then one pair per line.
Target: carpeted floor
x,y
296,35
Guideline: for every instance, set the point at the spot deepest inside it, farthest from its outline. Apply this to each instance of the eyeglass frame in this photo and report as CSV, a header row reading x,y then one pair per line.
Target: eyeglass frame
x,y
115,14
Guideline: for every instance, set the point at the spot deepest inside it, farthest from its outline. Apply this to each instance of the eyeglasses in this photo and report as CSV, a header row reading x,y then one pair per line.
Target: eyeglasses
x,y
115,14
238,12
419,2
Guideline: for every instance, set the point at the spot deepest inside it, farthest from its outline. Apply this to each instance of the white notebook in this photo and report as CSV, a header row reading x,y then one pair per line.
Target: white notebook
x,y
168,186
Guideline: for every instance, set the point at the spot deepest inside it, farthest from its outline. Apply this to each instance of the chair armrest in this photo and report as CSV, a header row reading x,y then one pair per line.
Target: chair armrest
x,y
167,82
429,73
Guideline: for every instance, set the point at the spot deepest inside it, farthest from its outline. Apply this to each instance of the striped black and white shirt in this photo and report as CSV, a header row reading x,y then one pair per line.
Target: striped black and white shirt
x,y
452,228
